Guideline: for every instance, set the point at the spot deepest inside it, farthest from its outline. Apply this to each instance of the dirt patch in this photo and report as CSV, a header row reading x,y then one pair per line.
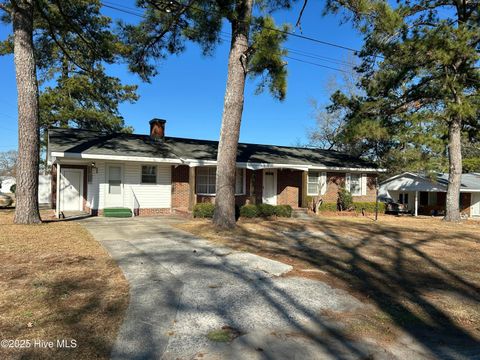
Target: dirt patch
x,y
419,274
58,283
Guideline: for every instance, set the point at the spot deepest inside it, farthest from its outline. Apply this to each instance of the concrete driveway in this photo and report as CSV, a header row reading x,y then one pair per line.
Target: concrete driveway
x,y
186,294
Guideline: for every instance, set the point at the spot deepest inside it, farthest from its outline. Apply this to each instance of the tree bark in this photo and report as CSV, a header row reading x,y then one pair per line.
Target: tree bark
x,y
224,216
26,211
455,171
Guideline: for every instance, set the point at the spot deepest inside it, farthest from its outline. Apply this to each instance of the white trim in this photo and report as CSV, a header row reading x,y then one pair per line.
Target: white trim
x,y
244,190
322,182
57,195
275,186
116,157
364,184
195,162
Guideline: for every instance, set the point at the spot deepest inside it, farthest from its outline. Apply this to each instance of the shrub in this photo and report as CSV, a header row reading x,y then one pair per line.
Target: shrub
x,y
283,210
328,207
249,211
369,206
13,188
203,210
345,201
266,210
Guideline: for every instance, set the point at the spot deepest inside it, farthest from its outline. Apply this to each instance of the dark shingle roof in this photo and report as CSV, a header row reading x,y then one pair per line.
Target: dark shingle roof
x,y
91,142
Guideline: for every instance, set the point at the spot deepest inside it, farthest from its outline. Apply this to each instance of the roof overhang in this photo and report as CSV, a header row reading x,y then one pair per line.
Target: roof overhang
x,y
77,156
196,162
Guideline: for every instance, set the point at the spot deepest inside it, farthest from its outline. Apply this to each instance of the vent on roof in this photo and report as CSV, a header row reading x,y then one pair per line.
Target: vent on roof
x,y
157,129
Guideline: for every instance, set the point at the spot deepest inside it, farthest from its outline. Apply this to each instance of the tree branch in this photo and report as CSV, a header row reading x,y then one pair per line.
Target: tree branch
x,y
5,8
299,20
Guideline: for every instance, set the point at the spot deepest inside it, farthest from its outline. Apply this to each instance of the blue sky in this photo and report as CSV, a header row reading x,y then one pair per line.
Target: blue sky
x,y
189,89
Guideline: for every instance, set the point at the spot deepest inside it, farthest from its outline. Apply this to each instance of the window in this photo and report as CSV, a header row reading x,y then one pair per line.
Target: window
x,y
355,184
239,182
206,180
149,174
432,198
114,180
206,177
403,198
316,183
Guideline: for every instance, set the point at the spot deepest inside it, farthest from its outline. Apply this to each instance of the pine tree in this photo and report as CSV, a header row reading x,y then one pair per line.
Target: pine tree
x,y
255,49
420,65
66,42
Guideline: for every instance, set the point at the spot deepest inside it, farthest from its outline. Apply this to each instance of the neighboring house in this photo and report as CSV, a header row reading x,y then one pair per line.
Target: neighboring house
x,y
155,174
426,195
44,187
6,183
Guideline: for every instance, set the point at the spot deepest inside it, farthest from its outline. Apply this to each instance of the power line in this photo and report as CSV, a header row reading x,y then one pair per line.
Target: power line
x,y
319,65
131,11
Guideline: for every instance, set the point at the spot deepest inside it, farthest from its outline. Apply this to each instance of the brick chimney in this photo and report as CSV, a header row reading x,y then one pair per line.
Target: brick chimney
x,y
157,129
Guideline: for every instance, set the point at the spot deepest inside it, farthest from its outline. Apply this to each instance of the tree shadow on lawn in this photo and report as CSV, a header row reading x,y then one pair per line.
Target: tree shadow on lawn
x,y
77,305
393,270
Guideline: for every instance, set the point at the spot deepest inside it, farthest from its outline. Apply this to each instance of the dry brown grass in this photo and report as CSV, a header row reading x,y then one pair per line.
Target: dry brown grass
x,y
418,273
57,282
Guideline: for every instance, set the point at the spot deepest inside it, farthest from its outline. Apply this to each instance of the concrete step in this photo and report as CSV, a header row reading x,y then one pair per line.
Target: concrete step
x,y
117,212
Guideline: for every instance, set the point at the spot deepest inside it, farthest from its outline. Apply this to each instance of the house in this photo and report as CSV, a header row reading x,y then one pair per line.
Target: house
x,y
156,174
44,187
426,195
6,183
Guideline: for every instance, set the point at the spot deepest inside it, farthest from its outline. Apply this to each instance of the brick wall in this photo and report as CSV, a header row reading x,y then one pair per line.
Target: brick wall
x,y
337,180
180,187
289,185
152,212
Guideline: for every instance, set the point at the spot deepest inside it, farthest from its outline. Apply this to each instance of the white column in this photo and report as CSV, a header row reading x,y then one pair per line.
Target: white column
x,y
416,203
57,194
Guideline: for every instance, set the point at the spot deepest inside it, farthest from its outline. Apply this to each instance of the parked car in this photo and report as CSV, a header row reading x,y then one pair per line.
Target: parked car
x,y
392,207
5,200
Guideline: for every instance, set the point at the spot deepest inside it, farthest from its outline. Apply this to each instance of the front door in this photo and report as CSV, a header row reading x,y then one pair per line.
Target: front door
x,y
475,206
270,187
114,190
71,190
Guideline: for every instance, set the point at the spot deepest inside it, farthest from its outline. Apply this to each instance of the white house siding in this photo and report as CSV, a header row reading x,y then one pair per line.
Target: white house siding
x,y
44,189
148,196
95,188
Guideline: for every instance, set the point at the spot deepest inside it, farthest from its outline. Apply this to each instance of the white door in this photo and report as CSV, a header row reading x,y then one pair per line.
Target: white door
x,y
71,190
475,205
270,187
114,190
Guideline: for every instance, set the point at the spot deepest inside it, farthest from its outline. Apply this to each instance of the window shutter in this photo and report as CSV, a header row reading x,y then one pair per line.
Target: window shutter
x,y
323,183
364,184
347,181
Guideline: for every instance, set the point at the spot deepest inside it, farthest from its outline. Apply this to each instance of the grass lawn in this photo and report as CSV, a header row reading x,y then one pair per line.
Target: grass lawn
x,y
57,282
421,276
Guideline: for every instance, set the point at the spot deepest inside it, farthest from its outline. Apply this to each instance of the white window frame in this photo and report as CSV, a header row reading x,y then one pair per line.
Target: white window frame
x,y
363,184
243,192
141,175
321,183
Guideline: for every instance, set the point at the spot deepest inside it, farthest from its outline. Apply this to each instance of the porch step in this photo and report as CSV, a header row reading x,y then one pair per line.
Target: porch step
x,y
117,212
301,213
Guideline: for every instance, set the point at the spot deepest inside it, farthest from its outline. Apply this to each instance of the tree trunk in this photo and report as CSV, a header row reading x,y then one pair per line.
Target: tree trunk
x,y
455,171
224,216
26,211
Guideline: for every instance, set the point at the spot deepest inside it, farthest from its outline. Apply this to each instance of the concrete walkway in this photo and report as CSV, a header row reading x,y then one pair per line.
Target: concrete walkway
x,y
183,288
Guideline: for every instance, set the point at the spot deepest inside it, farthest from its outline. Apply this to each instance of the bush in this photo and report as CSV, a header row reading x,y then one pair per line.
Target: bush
x,y
283,210
266,210
13,188
333,207
369,207
249,211
203,210
345,201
